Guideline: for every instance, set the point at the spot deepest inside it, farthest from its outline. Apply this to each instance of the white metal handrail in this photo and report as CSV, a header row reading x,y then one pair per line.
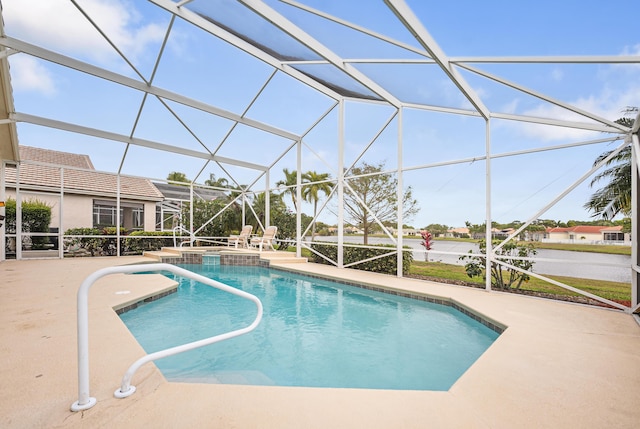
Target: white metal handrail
x,y
85,401
180,228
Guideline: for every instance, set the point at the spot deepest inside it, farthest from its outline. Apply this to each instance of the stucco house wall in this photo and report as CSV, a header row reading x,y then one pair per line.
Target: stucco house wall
x,y
583,234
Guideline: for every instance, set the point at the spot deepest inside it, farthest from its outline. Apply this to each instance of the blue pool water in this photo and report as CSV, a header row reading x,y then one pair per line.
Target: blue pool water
x,y
314,333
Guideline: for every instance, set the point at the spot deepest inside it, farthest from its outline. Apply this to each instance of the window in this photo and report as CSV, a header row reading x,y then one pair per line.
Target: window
x,y
105,215
614,236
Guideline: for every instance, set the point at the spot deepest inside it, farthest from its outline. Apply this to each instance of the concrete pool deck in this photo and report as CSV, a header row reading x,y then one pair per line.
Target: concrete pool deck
x,y
557,365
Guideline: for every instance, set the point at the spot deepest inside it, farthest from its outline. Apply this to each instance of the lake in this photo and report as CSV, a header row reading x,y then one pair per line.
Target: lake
x,y
598,266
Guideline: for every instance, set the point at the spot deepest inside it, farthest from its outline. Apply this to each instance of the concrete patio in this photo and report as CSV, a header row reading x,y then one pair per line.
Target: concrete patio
x,y
557,365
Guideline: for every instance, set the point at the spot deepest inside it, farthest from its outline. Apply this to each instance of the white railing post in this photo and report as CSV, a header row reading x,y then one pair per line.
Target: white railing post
x,y
85,401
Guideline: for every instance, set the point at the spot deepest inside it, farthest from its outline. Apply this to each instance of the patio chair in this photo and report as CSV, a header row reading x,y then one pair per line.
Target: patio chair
x,y
266,241
241,240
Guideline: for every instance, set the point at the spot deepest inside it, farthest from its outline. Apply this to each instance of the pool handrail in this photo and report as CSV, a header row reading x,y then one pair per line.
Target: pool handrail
x,y
180,228
85,401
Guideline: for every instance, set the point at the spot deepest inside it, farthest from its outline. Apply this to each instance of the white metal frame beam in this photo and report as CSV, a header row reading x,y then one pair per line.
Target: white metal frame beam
x,y
359,29
543,97
414,25
65,126
139,85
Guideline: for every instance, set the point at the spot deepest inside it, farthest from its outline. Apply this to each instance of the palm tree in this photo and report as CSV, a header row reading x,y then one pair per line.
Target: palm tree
x,y
615,197
216,183
275,204
311,193
290,181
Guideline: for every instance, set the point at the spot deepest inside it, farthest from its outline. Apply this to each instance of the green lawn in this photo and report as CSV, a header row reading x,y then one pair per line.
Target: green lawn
x,y
620,292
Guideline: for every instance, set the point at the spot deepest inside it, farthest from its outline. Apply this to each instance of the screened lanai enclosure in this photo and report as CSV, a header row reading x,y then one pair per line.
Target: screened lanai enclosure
x,y
323,118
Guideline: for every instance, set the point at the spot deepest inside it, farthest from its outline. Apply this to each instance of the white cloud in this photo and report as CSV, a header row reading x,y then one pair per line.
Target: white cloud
x,y
607,102
28,74
511,106
557,75
68,31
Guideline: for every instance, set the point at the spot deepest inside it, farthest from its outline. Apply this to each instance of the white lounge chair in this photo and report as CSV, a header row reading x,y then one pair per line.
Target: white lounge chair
x,y
241,240
266,241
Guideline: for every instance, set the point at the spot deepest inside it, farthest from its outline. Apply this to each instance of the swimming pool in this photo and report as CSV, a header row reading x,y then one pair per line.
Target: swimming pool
x,y
314,333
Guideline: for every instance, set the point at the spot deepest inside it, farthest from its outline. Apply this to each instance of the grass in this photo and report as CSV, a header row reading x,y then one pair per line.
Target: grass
x,y
615,291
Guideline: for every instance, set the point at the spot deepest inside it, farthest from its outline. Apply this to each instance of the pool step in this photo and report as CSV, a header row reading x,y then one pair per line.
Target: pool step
x,y
255,378
159,254
172,252
290,260
282,258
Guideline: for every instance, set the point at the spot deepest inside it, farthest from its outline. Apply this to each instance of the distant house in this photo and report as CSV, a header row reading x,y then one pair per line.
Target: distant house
x,y
347,230
457,232
501,234
405,231
89,196
588,234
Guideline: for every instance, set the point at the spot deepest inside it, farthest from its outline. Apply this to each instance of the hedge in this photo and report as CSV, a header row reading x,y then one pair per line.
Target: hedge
x,y
36,217
137,245
386,265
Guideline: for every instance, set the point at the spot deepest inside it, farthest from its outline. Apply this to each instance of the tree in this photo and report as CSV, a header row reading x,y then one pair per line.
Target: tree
x,y
312,191
625,223
615,196
437,229
474,229
203,211
176,176
375,193
290,181
216,183
276,205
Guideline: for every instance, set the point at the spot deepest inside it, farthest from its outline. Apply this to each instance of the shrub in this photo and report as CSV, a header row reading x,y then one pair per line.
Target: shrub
x,y
95,245
386,265
137,245
89,244
36,217
502,278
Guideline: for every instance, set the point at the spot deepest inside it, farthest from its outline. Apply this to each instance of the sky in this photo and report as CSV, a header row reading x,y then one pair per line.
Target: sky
x,y
441,152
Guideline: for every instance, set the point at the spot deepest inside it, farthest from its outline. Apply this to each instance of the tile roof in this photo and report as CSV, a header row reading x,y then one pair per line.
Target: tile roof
x,y
86,182
55,157
585,229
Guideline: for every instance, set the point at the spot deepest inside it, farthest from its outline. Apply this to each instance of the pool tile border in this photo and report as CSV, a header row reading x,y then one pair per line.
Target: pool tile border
x,y
151,298
184,258
494,326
